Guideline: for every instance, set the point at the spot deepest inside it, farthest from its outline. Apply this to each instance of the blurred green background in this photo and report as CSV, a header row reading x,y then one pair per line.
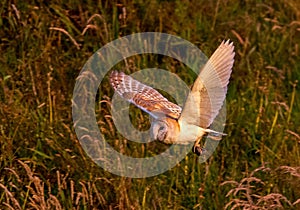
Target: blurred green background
x,y
44,45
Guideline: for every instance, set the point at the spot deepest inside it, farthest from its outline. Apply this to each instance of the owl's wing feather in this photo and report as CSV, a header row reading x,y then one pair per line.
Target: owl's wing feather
x,y
143,96
209,90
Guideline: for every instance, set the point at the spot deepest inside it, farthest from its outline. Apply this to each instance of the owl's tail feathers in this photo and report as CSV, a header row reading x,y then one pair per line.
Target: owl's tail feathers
x,y
214,135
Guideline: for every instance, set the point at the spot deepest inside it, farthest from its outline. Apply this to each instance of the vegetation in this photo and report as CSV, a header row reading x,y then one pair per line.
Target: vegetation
x,y
43,47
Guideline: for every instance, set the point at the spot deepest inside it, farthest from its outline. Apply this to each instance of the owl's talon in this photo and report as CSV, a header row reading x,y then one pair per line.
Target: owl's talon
x,y
198,150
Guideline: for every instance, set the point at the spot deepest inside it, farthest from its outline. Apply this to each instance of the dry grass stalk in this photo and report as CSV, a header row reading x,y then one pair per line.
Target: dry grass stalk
x,y
246,193
10,196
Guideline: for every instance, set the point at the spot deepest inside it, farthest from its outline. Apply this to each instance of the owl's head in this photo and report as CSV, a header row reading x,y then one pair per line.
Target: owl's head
x,y
165,130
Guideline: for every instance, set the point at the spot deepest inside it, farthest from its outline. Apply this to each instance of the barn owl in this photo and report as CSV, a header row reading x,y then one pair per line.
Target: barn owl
x,y
171,123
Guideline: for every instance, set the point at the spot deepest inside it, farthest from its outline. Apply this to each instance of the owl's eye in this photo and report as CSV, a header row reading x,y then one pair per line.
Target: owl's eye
x,y
161,129
162,133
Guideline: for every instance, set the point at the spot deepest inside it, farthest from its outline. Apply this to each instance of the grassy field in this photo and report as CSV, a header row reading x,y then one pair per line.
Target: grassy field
x,y
44,46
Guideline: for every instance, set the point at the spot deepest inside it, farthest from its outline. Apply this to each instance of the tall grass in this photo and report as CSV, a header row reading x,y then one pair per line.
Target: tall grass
x,y
45,45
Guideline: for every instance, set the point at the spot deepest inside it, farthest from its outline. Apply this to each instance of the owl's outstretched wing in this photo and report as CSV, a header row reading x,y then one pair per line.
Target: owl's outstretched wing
x,y
209,90
143,96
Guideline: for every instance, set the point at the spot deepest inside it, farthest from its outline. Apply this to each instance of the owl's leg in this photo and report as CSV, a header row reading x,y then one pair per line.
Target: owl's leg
x,y
197,149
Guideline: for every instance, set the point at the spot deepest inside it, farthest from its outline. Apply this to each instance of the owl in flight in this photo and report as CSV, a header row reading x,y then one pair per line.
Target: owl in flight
x,y
172,124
